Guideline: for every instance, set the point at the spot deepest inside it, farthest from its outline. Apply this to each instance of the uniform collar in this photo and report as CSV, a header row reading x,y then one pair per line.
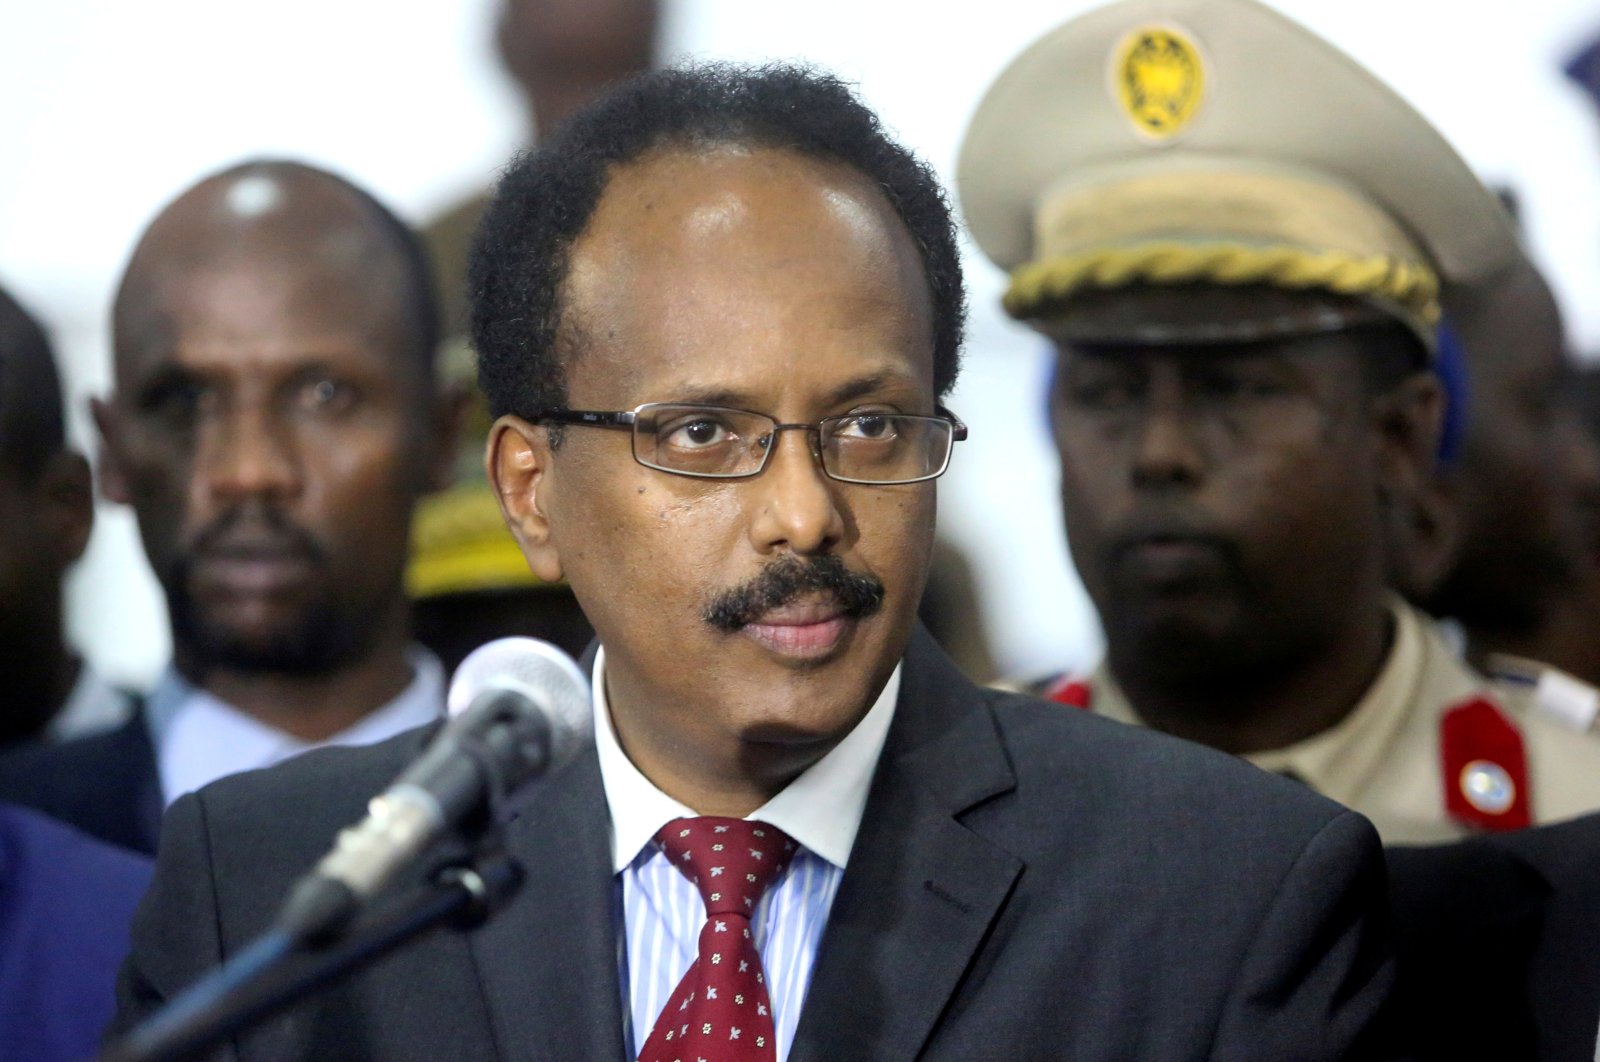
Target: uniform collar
x,y
821,809
1341,761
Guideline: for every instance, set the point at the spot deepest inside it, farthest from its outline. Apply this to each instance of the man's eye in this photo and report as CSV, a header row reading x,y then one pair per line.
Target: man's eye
x,y
178,402
868,426
1239,385
1099,394
697,434
324,395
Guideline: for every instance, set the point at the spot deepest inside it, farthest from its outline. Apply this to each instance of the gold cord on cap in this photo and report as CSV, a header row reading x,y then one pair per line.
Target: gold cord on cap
x,y
1408,286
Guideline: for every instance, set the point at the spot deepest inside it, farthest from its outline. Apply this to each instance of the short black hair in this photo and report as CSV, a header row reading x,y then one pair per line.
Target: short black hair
x,y
519,258
32,419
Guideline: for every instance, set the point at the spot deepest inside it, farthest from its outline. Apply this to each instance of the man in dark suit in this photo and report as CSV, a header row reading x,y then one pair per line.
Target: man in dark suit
x,y
65,904
800,833
1497,939
274,422
46,513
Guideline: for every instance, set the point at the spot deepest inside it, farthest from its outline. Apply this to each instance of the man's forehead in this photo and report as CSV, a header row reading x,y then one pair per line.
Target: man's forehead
x,y
750,249
245,314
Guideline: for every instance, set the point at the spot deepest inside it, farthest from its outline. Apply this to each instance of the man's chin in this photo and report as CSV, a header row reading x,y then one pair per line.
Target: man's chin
x,y
298,644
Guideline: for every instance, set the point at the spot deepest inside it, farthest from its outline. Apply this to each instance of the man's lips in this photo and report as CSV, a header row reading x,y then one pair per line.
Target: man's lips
x,y
801,630
1170,560
255,572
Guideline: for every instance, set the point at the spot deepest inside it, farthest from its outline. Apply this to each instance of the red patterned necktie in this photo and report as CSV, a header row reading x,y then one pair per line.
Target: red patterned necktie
x,y
720,1011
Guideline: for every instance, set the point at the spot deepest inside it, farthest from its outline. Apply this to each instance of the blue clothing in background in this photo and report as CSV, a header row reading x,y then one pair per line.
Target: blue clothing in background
x,y
66,902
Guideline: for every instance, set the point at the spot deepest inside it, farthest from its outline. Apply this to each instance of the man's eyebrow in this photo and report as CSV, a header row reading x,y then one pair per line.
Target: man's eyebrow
x,y
872,383
844,392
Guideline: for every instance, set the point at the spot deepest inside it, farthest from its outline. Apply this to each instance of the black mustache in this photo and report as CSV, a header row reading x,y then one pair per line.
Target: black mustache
x,y
785,580
253,528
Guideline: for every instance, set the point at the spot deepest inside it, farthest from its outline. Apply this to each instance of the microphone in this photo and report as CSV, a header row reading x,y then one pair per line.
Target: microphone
x,y
518,707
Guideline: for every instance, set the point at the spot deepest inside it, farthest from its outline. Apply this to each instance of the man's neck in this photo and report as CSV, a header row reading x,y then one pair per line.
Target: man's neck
x,y
40,673
1249,713
311,707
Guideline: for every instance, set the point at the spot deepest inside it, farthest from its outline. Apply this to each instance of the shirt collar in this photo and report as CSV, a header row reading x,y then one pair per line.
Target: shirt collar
x,y
821,809
93,706
199,738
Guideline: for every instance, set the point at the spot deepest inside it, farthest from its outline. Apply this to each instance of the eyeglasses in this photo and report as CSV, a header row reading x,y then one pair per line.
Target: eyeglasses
x,y
714,442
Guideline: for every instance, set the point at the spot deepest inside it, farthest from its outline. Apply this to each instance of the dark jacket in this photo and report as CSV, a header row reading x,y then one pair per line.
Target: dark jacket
x,y
1027,882
1499,941
106,785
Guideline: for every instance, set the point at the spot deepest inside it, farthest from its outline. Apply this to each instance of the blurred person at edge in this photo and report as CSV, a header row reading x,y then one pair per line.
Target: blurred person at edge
x,y
1244,306
46,513
1523,494
467,579
66,904
274,421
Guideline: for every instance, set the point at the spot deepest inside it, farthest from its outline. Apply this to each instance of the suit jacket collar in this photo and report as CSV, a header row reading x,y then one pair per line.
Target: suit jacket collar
x,y
548,962
922,889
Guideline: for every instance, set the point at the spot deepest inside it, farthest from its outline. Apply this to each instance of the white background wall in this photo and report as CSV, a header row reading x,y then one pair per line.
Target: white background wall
x,y
108,108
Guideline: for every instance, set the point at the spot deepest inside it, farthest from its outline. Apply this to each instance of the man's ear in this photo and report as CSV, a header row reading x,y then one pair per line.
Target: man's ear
x,y
113,470
518,463
66,497
1410,418
1421,521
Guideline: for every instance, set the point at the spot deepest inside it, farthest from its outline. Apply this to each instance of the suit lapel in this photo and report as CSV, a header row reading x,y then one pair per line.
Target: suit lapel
x,y
548,963
921,890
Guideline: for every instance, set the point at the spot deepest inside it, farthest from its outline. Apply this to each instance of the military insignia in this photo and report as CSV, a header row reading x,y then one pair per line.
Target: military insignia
x,y
1488,787
1159,79
1485,767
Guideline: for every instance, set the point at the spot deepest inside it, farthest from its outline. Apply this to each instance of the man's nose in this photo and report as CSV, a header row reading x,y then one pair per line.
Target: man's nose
x,y
1167,445
797,506
249,452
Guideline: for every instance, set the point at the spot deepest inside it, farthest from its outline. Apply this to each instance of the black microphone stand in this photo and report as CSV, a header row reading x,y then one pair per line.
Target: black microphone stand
x,y
275,971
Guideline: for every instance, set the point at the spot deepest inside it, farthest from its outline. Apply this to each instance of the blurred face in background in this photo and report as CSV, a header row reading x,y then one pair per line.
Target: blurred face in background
x,y
272,426
1527,483
1222,499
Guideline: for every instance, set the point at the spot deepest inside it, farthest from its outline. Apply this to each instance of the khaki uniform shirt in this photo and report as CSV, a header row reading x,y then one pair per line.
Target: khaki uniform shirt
x,y
1385,760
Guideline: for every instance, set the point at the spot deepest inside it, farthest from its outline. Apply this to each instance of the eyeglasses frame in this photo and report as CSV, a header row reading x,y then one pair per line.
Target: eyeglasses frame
x,y
627,419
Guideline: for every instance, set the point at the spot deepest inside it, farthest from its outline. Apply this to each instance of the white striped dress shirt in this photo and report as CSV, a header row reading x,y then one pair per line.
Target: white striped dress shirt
x,y
661,910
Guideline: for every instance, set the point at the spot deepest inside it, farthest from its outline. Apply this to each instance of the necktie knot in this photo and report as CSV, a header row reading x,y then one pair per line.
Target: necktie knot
x,y
731,861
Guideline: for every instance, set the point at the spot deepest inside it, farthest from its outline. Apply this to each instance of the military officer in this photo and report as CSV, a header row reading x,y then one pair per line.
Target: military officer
x,y
1237,239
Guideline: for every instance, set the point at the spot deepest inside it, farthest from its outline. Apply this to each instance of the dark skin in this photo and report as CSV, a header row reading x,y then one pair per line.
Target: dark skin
x,y
1567,634
1525,487
272,427
766,281
1225,504
47,517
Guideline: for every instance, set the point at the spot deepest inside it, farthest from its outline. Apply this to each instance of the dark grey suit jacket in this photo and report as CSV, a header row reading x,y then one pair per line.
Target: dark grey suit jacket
x,y
1499,942
1028,882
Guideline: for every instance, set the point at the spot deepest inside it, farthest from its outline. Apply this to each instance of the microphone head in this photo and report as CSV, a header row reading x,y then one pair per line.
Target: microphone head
x,y
538,671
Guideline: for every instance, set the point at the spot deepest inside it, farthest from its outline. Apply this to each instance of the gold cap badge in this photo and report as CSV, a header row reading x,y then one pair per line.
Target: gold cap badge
x,y
1158,77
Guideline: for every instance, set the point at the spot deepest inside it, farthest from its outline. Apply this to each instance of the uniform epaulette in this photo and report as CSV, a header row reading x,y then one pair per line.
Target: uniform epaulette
x,y
1073,692
1485,767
